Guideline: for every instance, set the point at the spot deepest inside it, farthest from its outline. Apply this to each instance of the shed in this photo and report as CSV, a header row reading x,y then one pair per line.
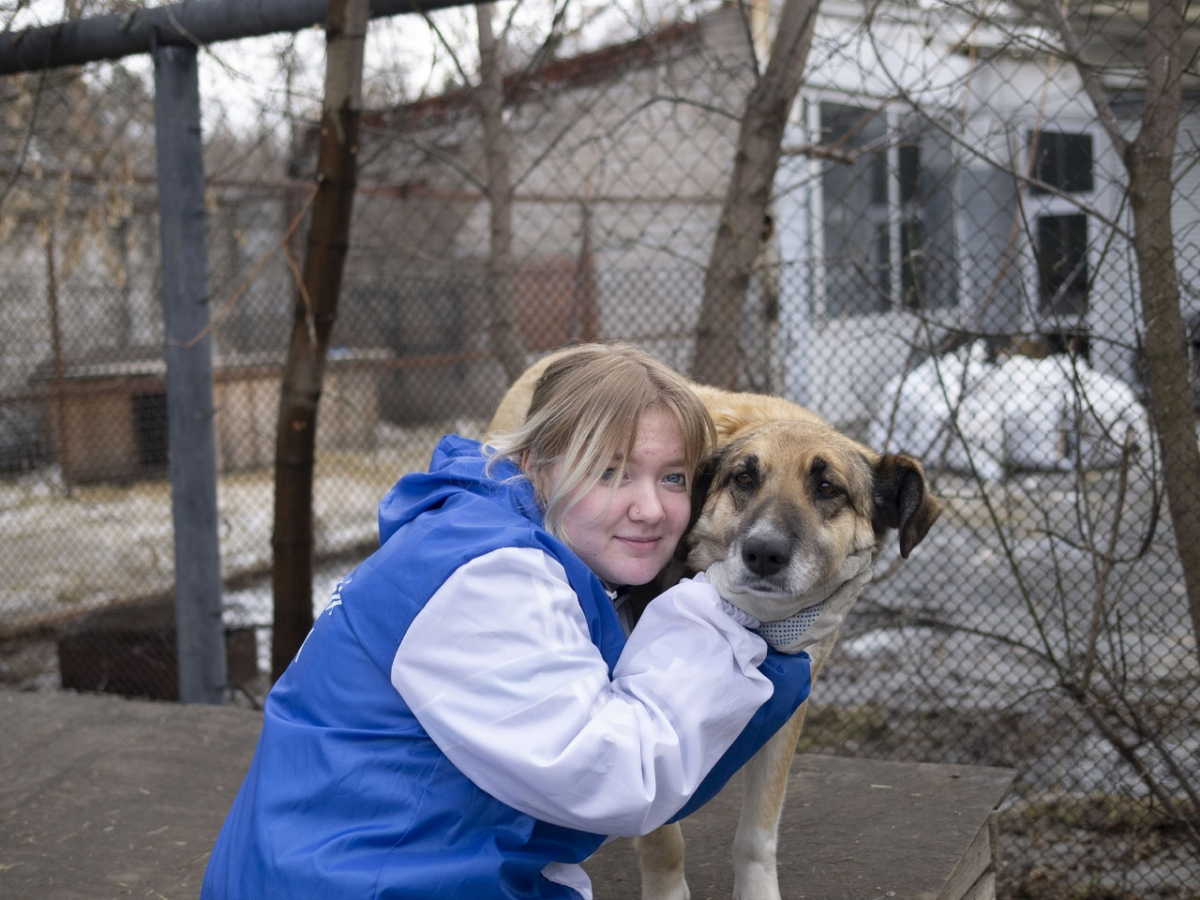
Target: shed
x,y
108,411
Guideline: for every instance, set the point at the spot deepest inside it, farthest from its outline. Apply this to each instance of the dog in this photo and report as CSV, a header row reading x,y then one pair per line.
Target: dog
x,y
781,503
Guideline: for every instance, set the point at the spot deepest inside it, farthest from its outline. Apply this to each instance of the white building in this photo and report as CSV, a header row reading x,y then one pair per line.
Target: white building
x,y
942,180
983,198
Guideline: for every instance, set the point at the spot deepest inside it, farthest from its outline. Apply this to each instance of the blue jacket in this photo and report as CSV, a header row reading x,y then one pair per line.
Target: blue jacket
x,y
467,718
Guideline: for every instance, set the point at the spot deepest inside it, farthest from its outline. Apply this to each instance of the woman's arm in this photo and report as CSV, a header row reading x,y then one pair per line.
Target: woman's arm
x,y
499,669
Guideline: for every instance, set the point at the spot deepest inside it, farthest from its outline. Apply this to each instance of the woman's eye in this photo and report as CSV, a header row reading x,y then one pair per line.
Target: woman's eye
x,y
677,478
609,474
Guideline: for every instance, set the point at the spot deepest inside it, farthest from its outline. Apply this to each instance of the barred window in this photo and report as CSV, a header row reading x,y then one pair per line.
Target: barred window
x,y
1061,161
1062,264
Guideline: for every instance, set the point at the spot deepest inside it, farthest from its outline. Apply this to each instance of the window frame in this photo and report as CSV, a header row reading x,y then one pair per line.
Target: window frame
x,y
898,219
1041,205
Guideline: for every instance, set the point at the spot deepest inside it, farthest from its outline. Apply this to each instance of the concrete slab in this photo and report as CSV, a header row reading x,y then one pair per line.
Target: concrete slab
x,y
852,829
103,797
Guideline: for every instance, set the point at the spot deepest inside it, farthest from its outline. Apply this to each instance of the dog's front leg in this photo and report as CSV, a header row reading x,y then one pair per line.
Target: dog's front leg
x,y
755,876
660,856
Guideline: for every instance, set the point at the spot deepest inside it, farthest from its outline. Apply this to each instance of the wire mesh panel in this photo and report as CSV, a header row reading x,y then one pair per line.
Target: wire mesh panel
x,y
952,265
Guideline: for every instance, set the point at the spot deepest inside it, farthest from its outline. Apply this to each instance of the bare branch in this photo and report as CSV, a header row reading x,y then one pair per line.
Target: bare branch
x,y
1091,80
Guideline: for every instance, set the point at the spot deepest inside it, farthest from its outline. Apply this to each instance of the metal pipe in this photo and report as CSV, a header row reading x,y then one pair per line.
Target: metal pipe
x,y
195,23
191,432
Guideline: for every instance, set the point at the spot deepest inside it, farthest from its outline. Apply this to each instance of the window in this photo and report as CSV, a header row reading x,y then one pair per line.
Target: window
x,y
1062,164
887,234
1062,264
857,279
912,230
1061,161
150,428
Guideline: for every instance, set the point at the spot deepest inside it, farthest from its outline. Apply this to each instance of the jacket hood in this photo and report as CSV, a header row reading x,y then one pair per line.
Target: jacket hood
x,y
457,467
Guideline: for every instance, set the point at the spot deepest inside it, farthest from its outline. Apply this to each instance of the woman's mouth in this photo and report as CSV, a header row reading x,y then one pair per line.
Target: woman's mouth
x,y
640,543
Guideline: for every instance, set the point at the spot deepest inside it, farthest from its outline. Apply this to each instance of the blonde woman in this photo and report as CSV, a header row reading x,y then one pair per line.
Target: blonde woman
x,y
468,717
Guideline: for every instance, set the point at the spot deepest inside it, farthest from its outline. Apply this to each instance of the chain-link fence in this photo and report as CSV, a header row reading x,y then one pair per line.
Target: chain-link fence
x,y
951,271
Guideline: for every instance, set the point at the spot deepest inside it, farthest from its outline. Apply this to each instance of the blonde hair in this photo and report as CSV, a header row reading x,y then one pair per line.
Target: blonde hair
x,y
585,412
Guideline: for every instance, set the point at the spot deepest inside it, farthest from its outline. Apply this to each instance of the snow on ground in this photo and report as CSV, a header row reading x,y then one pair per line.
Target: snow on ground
x,y
65,552
1017,413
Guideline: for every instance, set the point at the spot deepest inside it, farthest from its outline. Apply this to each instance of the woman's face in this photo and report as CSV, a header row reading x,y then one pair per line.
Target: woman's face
x,y
626,533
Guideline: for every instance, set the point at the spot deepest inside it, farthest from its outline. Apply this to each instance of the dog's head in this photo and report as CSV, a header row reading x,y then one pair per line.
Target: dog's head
x,y
785,502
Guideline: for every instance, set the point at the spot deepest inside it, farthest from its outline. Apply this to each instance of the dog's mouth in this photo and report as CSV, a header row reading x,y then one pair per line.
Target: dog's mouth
x,y
767,599
763,588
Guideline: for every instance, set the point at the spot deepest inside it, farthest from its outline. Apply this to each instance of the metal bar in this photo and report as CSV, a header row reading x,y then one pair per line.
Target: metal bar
x,y
197,23
191,438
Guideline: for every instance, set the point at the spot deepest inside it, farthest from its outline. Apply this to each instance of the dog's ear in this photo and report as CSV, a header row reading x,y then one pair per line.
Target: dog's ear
x,y
700,487
903,501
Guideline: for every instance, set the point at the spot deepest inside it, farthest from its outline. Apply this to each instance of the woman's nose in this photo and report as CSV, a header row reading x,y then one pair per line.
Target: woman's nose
x,y
646,506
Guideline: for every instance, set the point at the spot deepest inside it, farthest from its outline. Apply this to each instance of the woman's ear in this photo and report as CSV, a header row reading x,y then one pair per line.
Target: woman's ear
x,y
535,474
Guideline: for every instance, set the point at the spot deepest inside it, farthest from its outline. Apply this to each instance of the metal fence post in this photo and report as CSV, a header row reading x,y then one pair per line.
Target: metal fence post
x,y
200,633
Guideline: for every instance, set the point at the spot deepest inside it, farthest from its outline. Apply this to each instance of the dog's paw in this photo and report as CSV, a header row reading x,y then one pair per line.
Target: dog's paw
x,y
756,883
667,889
755,869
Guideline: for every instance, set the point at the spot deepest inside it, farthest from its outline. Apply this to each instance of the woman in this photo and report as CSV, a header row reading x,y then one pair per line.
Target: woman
x,y
467,717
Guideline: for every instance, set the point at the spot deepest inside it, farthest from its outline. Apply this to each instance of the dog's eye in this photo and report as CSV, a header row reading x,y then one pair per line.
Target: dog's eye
x,y
746,474
828,489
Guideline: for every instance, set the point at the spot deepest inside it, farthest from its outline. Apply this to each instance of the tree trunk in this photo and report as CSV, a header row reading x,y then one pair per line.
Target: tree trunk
x,y
743,223
504,338
1149,160
315,313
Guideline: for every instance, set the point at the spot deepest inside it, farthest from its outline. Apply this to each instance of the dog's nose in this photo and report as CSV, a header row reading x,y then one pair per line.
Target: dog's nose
x,y
764,555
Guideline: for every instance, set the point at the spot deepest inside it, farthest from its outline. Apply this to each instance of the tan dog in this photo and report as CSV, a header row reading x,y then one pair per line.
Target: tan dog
x,y
785,499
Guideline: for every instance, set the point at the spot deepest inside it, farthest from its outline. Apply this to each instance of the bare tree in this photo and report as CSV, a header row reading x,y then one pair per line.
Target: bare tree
x,y
315,314
490,96
743,224
1080,601
1148,160
505,339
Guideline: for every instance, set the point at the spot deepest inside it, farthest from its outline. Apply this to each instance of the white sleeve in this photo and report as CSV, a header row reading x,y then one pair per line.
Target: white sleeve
x,y
499,669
